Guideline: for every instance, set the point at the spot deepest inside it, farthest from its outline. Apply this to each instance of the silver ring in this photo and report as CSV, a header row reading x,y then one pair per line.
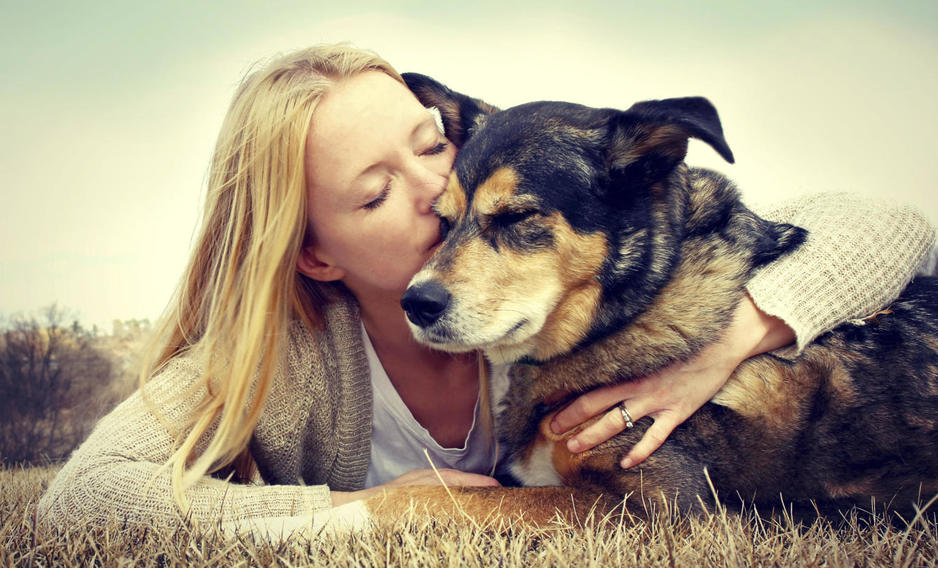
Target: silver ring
x,y
626,417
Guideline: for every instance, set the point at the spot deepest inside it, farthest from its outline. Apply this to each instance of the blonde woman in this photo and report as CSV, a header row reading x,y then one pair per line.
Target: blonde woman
x,y
284,380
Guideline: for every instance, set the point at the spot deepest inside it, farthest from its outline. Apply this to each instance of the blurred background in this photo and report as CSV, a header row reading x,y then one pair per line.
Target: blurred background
x,y
109,112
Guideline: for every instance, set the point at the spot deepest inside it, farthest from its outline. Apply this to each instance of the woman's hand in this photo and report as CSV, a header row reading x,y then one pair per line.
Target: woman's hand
x,y
671,395
450,477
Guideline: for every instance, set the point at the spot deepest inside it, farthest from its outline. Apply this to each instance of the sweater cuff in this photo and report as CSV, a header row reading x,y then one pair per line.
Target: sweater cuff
x,y
281,511
280,500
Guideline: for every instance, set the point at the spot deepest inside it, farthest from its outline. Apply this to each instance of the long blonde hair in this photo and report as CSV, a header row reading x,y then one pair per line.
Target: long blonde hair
x,y
241,289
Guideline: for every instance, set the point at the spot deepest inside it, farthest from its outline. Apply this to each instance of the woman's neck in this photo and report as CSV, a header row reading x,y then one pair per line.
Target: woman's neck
x,y
440,389
386,324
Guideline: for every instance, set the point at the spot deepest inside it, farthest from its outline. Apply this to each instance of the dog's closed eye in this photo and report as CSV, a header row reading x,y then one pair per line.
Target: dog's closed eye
x,y
513,217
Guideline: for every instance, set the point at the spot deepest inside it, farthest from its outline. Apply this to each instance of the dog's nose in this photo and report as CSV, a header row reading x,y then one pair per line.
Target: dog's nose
x,y
425,302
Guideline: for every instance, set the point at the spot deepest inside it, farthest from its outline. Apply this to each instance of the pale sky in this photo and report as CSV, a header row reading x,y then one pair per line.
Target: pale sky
x,y
109,111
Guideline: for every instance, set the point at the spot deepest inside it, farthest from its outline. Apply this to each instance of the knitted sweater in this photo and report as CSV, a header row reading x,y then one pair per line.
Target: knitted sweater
x,y
314,432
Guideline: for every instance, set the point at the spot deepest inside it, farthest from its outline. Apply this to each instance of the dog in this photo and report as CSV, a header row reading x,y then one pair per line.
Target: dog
x,y
581,248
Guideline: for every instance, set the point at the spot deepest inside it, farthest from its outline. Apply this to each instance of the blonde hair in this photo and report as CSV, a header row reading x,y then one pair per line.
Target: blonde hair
x,y
241,289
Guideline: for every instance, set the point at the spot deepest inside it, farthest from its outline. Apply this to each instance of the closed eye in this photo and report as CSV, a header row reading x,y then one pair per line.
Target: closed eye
x,y
377,201
438,149
380,199
513,217
517,230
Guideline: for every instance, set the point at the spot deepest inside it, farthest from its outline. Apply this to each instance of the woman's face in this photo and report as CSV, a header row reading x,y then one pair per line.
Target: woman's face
x,y
375,162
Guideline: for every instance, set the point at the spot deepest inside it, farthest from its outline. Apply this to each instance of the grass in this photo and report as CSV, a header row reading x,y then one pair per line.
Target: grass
x,y
719,539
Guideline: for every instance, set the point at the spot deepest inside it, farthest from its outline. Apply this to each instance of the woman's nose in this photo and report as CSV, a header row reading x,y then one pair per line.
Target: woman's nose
x,y
427,185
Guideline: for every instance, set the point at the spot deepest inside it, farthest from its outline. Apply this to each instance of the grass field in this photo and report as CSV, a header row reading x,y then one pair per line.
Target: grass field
x,y
719,539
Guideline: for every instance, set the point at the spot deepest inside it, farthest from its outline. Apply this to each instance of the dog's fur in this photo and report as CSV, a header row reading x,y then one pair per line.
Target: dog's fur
x,y
581,247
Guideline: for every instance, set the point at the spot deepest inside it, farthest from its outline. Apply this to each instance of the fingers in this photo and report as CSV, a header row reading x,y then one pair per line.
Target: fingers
x,y
587,406
601,430
469,479
451,477
656,434
613,423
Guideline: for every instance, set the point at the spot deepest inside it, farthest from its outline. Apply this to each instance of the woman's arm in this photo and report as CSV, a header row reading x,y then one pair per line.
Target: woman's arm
x,y
673,394
118,473
859,255
448,477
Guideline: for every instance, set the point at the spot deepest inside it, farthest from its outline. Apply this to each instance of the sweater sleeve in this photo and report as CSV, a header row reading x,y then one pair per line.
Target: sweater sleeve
x,y
859,255
118,473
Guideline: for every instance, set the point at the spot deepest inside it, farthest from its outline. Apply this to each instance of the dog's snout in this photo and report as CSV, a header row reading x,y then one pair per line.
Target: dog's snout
x,y
425,302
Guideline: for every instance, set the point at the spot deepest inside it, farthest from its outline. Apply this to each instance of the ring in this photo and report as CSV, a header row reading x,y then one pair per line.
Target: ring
x,y
625,415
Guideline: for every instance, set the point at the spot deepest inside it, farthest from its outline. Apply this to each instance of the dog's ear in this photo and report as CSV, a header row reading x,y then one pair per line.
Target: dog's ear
x,y
461,114
650,139
775,240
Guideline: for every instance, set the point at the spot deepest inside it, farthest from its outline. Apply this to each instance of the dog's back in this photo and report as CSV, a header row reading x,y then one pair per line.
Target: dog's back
x,y
854,416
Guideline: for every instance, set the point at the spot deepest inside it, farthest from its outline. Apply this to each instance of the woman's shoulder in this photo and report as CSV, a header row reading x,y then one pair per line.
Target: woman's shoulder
x,y
336,331
328,353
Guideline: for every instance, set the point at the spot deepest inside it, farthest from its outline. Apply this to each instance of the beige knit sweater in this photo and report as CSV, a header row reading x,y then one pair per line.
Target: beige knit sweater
x,y
314,433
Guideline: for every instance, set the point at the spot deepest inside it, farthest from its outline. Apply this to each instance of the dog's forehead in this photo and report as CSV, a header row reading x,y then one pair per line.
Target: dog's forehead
x,y
498,193
529,132
531,154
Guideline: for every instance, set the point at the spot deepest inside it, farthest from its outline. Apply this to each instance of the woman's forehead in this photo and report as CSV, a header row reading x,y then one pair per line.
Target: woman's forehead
x,y
356,124
367,99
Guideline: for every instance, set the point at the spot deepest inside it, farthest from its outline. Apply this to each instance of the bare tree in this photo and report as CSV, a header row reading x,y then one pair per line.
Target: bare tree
x,y
49,374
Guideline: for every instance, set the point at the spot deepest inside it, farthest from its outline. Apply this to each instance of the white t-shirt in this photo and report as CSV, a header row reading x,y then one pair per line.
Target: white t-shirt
x,y
398,440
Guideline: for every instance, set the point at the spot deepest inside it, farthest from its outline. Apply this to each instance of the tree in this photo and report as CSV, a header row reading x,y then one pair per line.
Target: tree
x,y
49,375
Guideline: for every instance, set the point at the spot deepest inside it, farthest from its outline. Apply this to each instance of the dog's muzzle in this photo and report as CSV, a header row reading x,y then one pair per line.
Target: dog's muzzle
x,y
425,302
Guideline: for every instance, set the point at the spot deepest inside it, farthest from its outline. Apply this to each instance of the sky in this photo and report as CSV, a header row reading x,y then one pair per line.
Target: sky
x,y
109,111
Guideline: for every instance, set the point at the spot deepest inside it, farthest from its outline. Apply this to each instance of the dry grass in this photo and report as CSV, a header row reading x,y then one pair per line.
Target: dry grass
x,y
721,539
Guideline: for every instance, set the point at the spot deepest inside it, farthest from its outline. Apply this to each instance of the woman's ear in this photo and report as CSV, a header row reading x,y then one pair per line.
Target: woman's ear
x,y
311,264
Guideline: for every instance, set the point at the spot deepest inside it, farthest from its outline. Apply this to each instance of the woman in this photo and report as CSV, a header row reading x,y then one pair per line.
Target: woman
x,y
286,358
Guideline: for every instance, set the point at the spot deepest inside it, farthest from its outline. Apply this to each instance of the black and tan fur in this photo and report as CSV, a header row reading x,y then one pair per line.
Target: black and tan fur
x,y
581,247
